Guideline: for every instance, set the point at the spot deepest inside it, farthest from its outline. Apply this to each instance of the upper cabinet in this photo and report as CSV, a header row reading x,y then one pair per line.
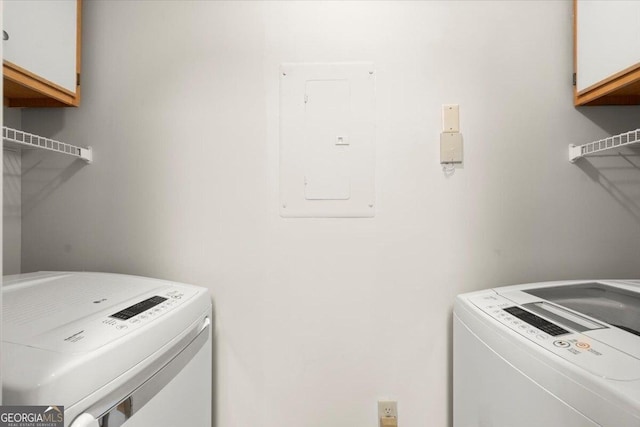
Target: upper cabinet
x,y
41,64
607,52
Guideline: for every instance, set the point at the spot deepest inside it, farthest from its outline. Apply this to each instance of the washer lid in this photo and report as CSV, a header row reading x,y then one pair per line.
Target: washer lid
x,y
72,312
616,306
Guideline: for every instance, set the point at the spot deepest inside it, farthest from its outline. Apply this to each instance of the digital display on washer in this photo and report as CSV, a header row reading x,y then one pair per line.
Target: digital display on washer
x,y
536,321
138,308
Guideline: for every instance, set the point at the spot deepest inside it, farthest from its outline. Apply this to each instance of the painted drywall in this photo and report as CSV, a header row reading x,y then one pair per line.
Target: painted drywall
x,y
11,198
317,319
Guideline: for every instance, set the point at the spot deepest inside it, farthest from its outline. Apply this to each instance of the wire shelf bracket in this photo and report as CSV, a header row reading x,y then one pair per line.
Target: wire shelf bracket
x,y
29,140
616,141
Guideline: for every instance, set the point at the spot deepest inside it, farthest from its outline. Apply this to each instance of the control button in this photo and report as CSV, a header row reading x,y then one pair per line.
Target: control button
x,y
523,326
583,345
134,321
121,327
143,317
561,343
531,331
541,337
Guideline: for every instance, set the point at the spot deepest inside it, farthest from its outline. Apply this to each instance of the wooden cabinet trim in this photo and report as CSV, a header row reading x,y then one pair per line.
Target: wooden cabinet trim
x,y
19,75
613,86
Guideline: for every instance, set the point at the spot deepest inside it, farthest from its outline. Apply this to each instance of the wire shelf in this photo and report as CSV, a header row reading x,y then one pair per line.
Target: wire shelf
x,y
29,140
627,138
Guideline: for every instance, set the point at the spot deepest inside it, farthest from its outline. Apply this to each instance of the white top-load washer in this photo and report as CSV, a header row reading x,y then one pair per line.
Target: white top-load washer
x,y
112,349
548,354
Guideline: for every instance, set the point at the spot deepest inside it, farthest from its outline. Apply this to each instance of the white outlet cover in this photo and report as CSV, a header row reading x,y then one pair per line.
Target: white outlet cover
x,y
450,147
451,118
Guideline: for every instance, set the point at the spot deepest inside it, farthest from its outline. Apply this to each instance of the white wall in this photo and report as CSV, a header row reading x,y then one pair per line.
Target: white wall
x,y
11,196
317,319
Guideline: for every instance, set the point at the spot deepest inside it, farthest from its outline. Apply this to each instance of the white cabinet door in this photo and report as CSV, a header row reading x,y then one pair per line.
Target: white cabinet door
x,y
42,38
608,39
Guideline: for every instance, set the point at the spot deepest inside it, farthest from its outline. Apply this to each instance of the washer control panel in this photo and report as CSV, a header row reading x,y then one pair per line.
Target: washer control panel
x,y
594,356
91,333
536,321
145,311
139,307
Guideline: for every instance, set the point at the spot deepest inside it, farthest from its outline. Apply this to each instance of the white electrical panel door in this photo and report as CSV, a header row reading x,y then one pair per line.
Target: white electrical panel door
x,y
327,145
326,174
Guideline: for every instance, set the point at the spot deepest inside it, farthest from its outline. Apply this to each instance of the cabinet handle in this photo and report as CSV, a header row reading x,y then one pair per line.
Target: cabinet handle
x,y
5,35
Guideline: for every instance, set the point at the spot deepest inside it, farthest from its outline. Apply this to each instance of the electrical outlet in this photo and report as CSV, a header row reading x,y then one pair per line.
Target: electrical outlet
x,y
387,408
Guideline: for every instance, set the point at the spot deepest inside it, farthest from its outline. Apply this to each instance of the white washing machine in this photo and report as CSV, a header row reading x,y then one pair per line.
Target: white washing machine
x,y
112,349
548,354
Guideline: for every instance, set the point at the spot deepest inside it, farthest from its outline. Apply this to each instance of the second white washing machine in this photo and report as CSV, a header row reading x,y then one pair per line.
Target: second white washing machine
x,y
548,354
